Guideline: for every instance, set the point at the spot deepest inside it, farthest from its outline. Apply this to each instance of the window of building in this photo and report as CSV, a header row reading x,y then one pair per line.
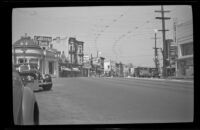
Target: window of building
x,y
21,60
80,49
187,49
71,48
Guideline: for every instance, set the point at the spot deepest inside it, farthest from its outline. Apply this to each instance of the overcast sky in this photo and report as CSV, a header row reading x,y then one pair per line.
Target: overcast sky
x,y
121,33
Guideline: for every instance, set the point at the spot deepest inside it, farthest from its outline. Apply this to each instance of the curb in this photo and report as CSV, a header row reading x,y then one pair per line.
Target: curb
x,y
177,80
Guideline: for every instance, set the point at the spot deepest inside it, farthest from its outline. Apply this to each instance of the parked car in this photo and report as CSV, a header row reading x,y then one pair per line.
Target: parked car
x,y
34,79
46,82
25,106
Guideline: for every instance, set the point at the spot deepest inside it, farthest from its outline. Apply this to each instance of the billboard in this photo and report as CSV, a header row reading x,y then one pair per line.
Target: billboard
x,y
43,40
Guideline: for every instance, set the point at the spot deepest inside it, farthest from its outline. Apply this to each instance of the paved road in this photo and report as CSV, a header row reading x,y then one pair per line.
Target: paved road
x,y
115,100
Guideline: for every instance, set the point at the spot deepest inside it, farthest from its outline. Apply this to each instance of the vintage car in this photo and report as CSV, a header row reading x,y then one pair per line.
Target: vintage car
x,y
25,106
34,79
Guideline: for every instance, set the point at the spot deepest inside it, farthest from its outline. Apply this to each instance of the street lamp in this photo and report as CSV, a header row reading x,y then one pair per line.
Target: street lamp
x,y
156,53
44,54
24,49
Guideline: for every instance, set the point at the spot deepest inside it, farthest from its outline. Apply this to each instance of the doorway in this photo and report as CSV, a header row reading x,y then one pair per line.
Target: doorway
x,y
51,68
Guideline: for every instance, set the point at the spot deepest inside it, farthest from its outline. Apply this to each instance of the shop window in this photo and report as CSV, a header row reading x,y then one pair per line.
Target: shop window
x,y
21,61
187,49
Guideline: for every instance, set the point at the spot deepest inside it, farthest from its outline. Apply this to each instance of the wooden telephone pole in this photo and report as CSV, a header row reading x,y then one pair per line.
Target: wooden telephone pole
x,y
156,51
162,11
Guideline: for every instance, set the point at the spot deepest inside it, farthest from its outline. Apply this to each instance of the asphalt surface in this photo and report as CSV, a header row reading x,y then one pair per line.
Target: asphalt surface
x,y
116,100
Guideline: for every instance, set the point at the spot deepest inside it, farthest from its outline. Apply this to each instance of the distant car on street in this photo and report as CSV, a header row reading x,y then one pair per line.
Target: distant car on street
x,y
25,106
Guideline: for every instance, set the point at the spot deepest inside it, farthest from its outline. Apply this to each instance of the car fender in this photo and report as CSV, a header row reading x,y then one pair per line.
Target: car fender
x,y
17,104
28,106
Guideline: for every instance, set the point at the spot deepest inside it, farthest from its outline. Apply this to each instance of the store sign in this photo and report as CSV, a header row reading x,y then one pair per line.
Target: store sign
x,y
33,61
41,43
43,38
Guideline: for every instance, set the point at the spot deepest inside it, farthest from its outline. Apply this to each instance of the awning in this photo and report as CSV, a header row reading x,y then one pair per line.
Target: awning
x,y
65,68
75,69
100,69
172,67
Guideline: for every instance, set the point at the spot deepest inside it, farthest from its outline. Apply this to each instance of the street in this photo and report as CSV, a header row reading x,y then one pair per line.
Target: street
x,y
96,100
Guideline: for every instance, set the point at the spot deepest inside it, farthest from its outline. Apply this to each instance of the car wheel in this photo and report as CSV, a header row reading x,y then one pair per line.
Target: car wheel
x,y
50,87
47,87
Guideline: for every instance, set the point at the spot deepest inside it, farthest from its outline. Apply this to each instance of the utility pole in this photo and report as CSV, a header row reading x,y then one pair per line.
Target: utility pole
x,y
175,41
162,11
156,51
92,67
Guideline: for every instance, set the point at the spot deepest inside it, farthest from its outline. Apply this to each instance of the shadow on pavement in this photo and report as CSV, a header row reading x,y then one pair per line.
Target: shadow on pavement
x,y
41,90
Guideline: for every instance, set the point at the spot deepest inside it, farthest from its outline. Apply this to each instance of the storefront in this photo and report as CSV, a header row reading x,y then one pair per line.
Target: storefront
x,y
185,50
185,67
25,50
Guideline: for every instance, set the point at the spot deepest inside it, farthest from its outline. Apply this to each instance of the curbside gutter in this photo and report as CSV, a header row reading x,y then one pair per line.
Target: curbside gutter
x,y
166,79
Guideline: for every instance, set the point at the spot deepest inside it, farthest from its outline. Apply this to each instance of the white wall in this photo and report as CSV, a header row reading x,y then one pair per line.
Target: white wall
x,y
106,64
61,45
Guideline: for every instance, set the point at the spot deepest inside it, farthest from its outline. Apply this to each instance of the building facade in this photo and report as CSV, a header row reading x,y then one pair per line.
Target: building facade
x,y
171,57
119,70
86,66
60,44
98,65
110,68
185,50
76,56
27,50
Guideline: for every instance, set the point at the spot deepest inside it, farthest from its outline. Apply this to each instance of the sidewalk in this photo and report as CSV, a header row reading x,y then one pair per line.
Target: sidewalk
x,y
167,79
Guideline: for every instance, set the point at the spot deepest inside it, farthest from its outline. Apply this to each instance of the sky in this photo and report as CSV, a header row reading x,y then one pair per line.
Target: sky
x,y
121,33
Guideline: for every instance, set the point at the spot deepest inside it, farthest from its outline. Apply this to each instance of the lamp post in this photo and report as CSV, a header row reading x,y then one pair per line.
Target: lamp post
x,y
24,44
44,54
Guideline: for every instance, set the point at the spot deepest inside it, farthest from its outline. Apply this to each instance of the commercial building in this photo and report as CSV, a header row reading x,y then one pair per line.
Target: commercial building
x,y
119,70
98,65
185,50
171,57
76,56
60,44
37,52
110,68
86,66
126,70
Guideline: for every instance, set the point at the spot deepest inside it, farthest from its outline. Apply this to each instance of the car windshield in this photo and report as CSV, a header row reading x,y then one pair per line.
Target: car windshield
x,y
108,64
24,68
28,77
